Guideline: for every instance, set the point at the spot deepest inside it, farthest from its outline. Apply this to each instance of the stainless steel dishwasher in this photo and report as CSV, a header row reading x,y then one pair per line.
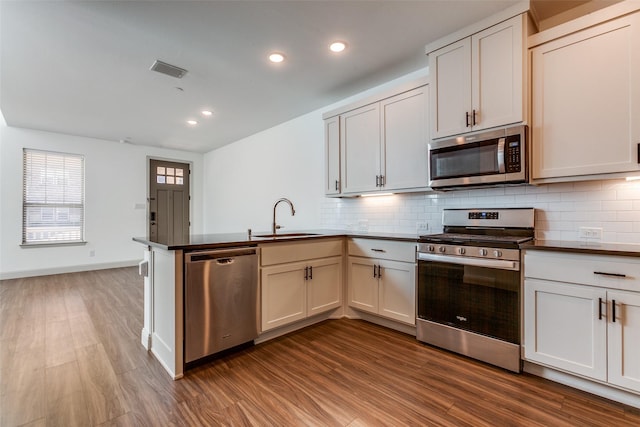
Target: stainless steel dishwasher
x,y
221,300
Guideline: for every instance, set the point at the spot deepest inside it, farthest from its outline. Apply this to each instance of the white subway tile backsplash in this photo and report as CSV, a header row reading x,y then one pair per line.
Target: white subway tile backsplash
x,y
562,208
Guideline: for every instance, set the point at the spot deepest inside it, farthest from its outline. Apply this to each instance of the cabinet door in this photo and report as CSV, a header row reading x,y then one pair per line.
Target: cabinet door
x,y
586,101
624,340
332,155
563,328
497,57
397,291
450,70
360,141
363,285
405,135
324,285
284,295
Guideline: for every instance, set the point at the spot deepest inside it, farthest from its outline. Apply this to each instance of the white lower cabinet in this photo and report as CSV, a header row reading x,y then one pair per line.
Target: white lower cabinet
x,y
385,287
563,329
624,340
590,329
292,291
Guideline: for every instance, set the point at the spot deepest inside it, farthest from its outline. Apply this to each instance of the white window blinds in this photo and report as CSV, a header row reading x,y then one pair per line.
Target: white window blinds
x,y
53,197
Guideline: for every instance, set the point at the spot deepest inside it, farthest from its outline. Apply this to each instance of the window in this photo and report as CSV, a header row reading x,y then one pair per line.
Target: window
x,y
53,197
169,175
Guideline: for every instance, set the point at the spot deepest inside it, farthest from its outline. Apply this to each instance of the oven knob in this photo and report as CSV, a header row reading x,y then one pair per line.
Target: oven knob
x,y
483,252
461,251
497,254
442,249
431,248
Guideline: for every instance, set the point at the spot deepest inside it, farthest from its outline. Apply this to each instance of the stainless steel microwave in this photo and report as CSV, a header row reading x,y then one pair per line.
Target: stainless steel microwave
x,y
498,156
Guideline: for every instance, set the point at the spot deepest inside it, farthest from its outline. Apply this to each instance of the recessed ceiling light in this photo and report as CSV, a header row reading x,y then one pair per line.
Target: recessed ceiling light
x,y
206,113
337,46
192,122
276,57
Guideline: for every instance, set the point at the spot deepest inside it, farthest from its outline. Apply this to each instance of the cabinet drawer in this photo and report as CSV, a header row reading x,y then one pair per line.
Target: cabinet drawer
x,y
595,270
279,253
383,249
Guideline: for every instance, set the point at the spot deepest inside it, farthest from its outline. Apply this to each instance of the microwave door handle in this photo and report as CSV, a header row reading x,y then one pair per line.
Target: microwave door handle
x,y
501,143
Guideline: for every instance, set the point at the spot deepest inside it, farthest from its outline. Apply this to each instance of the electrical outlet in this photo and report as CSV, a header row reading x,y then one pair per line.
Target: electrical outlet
x,y
590,233
422,227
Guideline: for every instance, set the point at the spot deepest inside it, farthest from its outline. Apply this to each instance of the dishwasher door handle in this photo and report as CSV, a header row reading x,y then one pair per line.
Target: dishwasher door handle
x,y
225,261
218,255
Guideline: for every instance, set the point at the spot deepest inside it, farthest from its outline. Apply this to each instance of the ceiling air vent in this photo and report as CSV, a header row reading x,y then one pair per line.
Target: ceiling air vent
x,y
168,69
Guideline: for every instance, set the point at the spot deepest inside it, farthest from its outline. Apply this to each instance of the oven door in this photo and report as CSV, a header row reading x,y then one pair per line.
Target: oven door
x,y
475,298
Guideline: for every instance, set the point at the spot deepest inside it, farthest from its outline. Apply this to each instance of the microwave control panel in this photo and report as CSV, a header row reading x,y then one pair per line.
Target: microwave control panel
x,y
512,156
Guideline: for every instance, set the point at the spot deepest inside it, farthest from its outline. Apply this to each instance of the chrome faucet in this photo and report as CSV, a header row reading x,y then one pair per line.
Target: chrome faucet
x,y
275,226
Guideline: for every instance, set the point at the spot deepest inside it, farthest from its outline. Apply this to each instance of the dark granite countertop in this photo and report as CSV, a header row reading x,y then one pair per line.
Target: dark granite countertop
x,y
226,240
594,248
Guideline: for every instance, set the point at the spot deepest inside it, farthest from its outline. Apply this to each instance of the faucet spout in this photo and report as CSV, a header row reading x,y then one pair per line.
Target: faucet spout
x,y
274,225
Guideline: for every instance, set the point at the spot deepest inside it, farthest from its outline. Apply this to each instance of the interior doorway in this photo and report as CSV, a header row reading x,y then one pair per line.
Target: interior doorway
x,y
168,220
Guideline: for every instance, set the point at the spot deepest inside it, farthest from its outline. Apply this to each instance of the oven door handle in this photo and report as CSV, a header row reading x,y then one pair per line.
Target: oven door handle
x,y
488,263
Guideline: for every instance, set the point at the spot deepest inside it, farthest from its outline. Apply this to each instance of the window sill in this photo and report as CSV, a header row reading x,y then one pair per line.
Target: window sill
x,y
51,244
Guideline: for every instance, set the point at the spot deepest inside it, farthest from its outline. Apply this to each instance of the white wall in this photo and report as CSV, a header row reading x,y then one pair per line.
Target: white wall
x,y
115,181
244,179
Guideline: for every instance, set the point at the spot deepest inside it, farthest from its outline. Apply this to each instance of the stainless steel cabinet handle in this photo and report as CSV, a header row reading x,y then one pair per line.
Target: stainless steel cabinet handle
x,y
381,180
602,273
466,120
375,274
377,180
311,273
377,250
336,185
306,273
473,118
379,272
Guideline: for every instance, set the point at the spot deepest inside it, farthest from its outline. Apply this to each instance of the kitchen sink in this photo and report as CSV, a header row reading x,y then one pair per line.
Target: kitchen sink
x,y
283,235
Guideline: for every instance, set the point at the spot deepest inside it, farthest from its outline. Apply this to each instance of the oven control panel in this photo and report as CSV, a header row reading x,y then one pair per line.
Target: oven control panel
x,y
469,251
484,215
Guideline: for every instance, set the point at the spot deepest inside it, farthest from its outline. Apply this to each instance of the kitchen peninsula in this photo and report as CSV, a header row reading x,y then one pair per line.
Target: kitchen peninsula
x,y
311,266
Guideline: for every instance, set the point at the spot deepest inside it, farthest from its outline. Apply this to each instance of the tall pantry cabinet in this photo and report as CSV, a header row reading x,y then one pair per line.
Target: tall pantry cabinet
x,y
585,97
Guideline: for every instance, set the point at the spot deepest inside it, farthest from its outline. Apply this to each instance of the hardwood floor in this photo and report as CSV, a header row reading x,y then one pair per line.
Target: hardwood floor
x,y
70,356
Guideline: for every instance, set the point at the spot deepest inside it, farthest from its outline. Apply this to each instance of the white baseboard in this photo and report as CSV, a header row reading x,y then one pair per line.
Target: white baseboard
x,y
602,390
68,269
145,339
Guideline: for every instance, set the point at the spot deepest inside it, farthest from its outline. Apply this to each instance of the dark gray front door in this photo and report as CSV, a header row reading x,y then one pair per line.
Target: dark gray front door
x,y
168,201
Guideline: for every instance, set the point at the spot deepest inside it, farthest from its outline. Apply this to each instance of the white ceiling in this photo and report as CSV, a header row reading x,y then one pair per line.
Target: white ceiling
x,y
82,68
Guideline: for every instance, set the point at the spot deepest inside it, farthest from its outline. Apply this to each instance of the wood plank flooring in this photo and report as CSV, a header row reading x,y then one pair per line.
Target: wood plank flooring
x,y
70,356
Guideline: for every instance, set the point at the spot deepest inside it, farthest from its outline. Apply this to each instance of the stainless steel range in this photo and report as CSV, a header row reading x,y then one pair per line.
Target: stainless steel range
x,y
469,284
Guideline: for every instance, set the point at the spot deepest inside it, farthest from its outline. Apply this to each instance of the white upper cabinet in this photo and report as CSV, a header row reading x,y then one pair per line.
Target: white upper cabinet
x,y
379,145
332,156
360,141
586,100
478,82
405,137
